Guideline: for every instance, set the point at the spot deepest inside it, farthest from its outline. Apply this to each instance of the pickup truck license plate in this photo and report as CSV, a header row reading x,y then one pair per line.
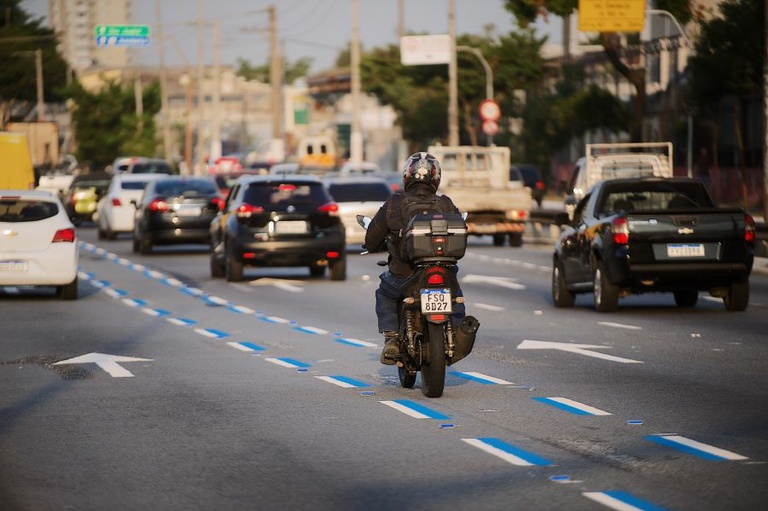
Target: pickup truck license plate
x,y
436,301
13,266
685,250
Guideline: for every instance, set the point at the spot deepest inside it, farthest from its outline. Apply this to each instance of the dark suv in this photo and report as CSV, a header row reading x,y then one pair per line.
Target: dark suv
x,y
175,210
278,220
531,179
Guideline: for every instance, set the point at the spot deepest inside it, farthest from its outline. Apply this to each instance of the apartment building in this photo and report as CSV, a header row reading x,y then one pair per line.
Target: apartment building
x,y
75,20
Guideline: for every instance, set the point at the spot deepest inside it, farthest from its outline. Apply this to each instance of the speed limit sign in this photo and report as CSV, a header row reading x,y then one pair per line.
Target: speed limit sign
x,y
489,110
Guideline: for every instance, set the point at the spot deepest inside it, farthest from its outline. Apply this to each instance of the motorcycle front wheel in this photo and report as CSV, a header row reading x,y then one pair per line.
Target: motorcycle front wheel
x,y
433,365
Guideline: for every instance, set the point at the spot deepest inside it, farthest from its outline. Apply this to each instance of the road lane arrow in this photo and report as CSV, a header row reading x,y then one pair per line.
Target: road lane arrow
x,y
581,349
107,362
490,279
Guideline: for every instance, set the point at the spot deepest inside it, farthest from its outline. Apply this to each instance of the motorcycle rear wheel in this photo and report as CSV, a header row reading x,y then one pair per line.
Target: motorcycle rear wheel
x,y
433,365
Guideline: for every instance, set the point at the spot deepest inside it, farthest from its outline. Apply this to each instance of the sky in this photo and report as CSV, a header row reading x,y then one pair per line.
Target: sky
x,y
316,29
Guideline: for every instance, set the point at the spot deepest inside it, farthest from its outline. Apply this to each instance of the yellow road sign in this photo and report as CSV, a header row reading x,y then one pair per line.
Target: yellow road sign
x,y
611,15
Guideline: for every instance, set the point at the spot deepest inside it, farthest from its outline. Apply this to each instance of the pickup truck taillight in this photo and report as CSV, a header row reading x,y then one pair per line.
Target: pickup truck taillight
x,y
749,229
620,231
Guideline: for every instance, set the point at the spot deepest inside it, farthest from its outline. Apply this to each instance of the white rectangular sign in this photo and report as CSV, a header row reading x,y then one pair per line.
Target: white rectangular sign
x,y
417,50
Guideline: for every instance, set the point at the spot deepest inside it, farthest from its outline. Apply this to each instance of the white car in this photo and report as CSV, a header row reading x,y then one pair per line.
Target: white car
x,y
38,242
357,196
115,210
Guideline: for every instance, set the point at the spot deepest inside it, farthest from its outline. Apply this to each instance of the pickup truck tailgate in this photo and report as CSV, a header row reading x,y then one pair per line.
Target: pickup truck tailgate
x,y
704,235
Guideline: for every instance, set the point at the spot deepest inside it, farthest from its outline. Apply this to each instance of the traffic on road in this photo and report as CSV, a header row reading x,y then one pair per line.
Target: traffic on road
x,y
163,384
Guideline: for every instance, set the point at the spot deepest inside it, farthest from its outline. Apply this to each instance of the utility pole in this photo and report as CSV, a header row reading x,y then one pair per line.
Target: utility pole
x,y
199,170
355,134
453,80
39,77
216,137
163,85
275,75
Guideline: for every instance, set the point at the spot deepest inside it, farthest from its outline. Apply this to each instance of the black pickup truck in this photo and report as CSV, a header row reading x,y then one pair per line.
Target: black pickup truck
x,y
642,235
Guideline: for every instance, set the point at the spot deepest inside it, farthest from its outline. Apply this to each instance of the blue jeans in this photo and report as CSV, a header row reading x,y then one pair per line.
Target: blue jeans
x,y
391,290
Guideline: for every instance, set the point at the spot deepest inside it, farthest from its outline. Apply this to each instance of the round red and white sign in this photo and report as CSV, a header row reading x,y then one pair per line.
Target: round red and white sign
x,y
489,110
490,127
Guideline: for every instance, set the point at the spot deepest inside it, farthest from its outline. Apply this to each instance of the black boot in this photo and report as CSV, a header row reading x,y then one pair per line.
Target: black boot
x,y
391,348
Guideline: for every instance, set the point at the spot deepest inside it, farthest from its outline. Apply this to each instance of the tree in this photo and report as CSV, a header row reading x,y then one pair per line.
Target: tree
x,y
728,63
551,120
526,11
106,124
291,72
20,35
419,94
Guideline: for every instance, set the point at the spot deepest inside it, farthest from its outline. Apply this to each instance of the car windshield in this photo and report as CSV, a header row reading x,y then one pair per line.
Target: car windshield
x,y
151,168
187,188
279,196
26,210
133,185
360,192
655,197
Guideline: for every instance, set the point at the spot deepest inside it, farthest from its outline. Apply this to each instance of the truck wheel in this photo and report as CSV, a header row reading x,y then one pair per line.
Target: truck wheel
x,y
516,239
686,298
606,294
316,270
737,297
560,294
498,240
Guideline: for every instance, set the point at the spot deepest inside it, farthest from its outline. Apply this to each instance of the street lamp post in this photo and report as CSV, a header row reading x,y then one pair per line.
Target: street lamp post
x,y
488,75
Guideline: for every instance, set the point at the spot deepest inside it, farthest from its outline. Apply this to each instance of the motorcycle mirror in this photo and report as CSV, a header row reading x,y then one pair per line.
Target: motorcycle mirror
x,y
363,221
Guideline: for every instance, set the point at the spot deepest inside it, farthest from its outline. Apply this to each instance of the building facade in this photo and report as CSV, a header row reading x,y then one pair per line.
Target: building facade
x,y
75,20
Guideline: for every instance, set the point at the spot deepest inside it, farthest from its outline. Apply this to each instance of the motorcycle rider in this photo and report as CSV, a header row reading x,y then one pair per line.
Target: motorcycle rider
x,y
421,179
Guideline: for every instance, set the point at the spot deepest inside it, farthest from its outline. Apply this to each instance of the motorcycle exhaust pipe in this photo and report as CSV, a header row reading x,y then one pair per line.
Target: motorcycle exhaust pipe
x,y
464,337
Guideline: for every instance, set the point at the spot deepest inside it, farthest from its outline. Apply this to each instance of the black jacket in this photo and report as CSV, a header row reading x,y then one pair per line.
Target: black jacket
x,y
387,225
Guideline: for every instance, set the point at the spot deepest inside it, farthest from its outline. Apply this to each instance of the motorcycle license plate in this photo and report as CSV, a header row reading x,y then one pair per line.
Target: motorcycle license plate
x,y
436,301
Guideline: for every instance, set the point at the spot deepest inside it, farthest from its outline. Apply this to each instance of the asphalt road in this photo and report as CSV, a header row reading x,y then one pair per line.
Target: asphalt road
x,y
268,394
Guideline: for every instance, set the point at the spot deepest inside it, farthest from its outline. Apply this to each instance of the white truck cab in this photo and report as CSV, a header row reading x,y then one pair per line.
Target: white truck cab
x,y
618,160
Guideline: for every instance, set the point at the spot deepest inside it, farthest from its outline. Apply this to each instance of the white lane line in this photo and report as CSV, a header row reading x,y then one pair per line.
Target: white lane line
x,y
696,448
570,405
482,378
619,325
488,307
507,452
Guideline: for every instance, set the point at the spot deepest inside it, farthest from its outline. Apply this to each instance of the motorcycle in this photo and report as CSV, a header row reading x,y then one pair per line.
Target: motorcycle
x,y
429,338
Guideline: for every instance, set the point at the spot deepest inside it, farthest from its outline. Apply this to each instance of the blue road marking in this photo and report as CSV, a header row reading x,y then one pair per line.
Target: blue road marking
x,y
529,457
351,381
413,405
561,406
699,449
620,500
254,347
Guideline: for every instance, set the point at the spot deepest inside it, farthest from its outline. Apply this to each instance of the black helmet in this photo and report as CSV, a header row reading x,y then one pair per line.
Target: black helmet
x,y
422,168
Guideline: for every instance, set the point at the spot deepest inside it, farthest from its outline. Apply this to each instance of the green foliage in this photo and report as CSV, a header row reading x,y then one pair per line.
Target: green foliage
x,y
291,72
419,94
20,36
730,54
106,124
